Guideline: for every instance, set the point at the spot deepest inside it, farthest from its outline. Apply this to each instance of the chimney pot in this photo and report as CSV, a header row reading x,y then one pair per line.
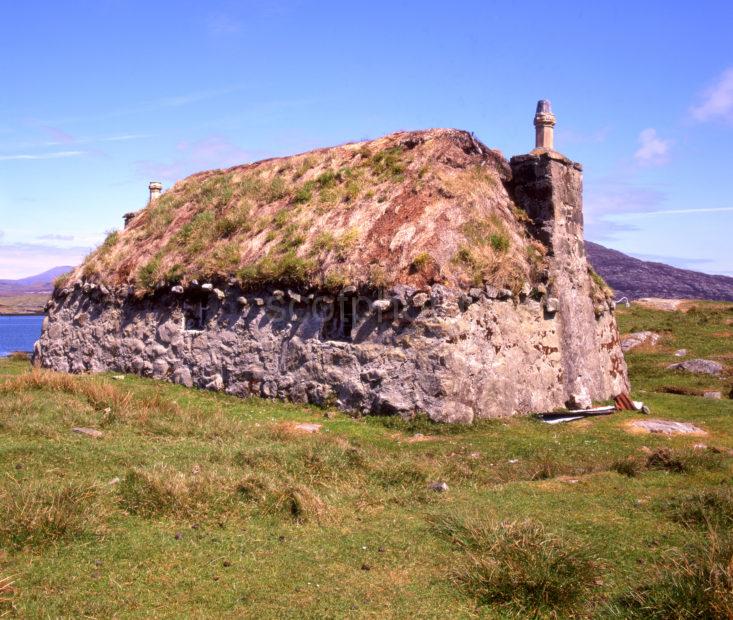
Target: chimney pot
x,y
155,188
544,123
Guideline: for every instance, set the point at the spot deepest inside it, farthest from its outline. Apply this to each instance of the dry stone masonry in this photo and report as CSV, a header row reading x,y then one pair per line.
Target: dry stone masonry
x,y
455,351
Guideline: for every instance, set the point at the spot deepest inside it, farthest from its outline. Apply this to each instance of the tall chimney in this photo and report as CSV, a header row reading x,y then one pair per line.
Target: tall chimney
x,y
544,124
155,188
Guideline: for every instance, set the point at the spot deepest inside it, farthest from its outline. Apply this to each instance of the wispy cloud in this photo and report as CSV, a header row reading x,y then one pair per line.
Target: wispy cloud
x,y
54,237
211,152
678,211
604,230
571,136
19,260
717,101
162,103
30,157
221,24
653,150
69,140
613,196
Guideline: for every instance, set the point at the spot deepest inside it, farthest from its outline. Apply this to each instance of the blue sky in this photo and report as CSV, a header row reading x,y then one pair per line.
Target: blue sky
x,y
99,97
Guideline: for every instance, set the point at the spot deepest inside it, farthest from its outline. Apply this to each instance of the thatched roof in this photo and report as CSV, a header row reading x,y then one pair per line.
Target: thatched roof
x,y
411,207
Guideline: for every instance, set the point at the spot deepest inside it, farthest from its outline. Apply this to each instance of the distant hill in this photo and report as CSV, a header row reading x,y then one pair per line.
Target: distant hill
x,y
634,278
28,295
39,283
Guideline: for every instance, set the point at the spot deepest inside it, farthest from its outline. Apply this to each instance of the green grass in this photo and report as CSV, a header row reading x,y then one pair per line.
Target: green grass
x,y
198,504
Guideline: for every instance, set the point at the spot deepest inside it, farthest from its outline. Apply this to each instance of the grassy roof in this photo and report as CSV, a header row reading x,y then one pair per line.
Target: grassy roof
x,y
411,207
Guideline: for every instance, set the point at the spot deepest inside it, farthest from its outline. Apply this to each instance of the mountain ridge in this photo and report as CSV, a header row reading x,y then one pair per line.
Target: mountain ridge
x,y
635,278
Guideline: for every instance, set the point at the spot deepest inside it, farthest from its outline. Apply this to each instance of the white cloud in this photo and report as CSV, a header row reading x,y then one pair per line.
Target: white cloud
x,y
54,155
717,101
653,150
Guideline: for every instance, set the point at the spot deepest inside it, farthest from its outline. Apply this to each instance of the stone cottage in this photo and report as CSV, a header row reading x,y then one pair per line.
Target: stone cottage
x,y
421,272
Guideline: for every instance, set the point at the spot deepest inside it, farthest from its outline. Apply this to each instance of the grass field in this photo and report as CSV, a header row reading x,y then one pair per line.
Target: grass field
x,y
196,504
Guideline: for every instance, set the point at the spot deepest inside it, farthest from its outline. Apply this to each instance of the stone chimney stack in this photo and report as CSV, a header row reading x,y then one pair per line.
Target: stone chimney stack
x,y
155,188
544,124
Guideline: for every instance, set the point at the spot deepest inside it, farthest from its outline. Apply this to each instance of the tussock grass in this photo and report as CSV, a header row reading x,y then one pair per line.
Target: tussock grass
x,y
163,490
7,591
631,466
281,495
299,502
694,582
37,513
707,509
521,567
685,461
99,394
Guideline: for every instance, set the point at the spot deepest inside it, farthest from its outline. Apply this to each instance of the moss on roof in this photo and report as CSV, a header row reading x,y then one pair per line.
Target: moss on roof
x,y
412,207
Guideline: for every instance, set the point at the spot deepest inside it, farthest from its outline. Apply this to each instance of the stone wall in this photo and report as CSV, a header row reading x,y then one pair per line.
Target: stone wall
x,y
454,355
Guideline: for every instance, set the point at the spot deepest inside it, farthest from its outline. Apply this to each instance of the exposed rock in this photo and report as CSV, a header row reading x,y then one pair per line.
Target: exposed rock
x,y
680,353
207,287
698,367
665,427
713,395
242,301
439,487
638,338
420,299
218,293
655,303
308,427
89,432
177,289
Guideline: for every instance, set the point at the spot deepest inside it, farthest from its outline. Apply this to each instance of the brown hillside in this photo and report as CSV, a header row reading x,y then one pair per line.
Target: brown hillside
x,y
411,207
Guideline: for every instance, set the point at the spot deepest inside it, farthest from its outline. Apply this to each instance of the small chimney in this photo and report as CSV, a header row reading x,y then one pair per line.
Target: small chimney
x,y
128,217
544,124
155,188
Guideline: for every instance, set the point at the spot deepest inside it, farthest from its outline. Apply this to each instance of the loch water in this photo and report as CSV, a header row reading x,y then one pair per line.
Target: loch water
x,y
19,333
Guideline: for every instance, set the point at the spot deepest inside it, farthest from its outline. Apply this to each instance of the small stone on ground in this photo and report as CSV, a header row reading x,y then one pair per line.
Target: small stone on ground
x,y
713,395
89,432
439,487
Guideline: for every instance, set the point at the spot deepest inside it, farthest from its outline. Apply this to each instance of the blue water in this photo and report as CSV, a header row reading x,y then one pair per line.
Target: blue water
x,y
18,333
